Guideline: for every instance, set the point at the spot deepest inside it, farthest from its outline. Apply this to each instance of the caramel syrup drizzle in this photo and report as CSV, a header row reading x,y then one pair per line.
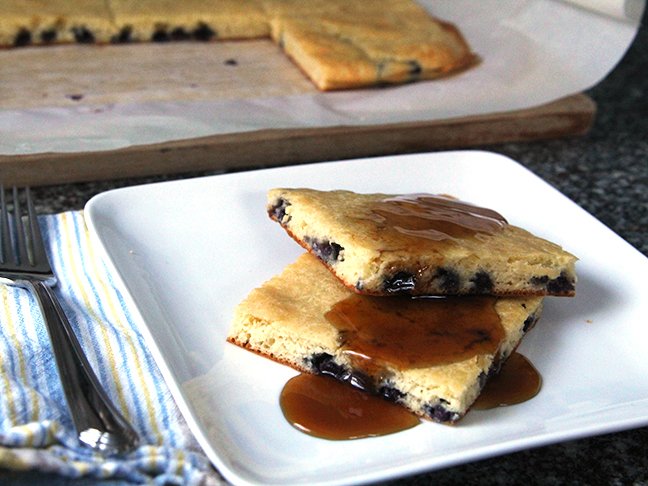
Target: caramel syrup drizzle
x,y
433,217
405,333
416,332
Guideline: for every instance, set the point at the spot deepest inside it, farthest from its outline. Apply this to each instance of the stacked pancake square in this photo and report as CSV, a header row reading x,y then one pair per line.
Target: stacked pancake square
x,y
399,259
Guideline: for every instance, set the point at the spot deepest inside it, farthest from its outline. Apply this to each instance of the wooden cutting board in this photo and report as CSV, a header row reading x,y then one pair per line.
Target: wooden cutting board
x,y
64,76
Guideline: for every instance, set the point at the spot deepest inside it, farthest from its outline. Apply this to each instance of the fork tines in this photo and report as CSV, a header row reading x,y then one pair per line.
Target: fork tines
x,y
20,234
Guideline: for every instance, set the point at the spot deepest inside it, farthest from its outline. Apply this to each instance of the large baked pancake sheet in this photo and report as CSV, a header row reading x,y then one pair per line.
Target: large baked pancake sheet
x,y
188,251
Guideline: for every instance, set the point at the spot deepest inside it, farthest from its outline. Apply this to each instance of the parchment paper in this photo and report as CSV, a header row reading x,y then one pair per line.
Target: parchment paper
x,y
532,51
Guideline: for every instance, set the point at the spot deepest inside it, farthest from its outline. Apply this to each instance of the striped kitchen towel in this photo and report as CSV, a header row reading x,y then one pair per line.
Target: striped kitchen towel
x,y
36,431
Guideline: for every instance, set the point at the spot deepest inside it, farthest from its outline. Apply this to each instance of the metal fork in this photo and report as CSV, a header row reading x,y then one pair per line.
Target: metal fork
x,y
24,264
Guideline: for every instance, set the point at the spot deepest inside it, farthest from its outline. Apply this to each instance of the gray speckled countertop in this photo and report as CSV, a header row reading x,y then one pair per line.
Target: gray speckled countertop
x,y
606,172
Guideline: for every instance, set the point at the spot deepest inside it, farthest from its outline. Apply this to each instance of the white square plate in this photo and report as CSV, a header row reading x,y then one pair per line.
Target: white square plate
x,y
188,251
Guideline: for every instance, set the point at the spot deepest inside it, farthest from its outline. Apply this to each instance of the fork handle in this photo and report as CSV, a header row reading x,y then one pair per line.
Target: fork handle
x,y
99,424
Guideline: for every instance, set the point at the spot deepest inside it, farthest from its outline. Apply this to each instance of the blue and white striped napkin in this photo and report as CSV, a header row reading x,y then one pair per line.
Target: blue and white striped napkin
x,y
36,431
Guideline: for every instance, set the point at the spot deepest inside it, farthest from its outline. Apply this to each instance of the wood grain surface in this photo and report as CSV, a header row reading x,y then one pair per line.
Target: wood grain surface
x,y
75,75
90,75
